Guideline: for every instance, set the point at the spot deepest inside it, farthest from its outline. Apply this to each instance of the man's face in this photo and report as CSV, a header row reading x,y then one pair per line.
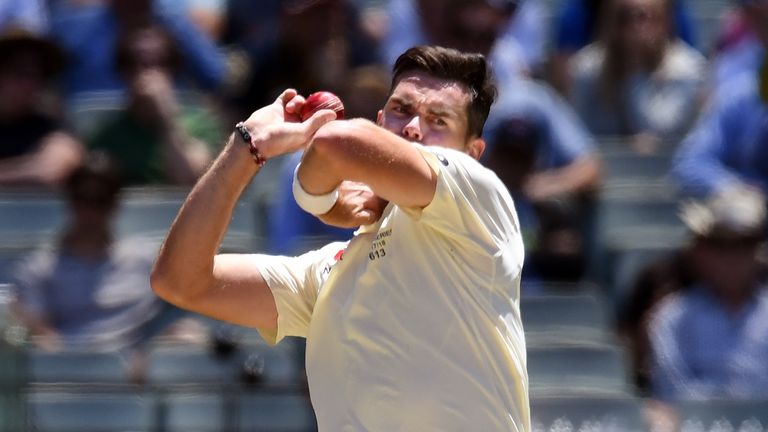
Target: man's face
x,y
428,110
642,24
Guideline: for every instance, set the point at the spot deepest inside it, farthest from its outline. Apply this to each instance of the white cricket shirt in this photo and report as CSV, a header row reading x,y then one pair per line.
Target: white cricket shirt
x,y
416,327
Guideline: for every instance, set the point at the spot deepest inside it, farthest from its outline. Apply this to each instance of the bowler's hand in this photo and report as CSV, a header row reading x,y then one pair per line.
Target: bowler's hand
x,y
276,129
357,205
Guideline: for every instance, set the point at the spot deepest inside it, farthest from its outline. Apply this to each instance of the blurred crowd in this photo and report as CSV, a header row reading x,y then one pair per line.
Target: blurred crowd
x,y
96,95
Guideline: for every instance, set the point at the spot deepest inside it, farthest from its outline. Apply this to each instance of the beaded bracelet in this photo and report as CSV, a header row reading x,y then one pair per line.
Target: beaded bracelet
x,y
257,156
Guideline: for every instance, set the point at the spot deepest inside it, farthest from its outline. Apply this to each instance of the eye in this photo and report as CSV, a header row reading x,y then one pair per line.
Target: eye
x,y
439,121
400,108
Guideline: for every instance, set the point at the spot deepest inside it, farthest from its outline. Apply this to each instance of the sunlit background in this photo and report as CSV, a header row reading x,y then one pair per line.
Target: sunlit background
x,y
632,134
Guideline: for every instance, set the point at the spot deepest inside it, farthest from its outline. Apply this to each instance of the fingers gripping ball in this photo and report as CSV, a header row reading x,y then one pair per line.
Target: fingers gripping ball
x,y
322,100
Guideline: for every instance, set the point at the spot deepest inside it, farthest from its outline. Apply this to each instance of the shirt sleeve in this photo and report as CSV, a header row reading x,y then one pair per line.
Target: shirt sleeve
x,y
470,202
295,283
699,166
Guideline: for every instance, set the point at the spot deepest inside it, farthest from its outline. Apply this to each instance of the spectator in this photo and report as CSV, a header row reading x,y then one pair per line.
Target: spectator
x,y
742,43
578,26
708,341
154,139
547,159
308,45
31,15
668,274
516,28
35,149
91,291
207,15
89,32
728,148
638,80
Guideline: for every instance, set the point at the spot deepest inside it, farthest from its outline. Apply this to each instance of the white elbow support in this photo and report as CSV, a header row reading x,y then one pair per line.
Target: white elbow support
x,y
313,204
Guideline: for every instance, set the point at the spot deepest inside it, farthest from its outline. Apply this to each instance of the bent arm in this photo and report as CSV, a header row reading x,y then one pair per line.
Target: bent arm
x,y
581,175
58,156
358,150
189,274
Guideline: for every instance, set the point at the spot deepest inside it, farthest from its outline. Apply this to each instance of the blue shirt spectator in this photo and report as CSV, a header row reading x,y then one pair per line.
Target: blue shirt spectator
x,y
547,159
709,339
578,23
746,55
520,47
703,350
563,138
30,15
743,38
729,145
89,32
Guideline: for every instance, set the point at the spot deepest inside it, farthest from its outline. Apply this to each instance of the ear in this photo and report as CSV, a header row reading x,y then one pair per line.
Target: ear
x,y
379,116
476,147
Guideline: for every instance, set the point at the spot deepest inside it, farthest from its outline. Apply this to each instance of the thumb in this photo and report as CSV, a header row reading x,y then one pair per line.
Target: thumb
x,y
318,119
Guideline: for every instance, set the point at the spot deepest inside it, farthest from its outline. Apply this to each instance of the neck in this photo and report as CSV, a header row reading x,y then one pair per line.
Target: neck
x,y
734,300
87,242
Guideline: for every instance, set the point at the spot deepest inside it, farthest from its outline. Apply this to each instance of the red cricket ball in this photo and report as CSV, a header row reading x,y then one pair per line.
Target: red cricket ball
x,y
322,100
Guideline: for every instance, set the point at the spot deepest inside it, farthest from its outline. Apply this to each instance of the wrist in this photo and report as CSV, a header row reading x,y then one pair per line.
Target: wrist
x,y
313,204
245,135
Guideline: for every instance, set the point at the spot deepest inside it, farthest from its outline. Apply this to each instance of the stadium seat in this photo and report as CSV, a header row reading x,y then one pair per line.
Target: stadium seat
x,y
635,205
628,165
90,412
195,412
12,411
586,413
565,318
77,367
275,413
186,365
723,415
566,369
541,287
627,259
13,364
87,112
149,212
29,218
10,255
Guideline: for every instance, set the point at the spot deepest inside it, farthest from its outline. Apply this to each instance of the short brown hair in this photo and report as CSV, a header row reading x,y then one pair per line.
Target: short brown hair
x,y
453,65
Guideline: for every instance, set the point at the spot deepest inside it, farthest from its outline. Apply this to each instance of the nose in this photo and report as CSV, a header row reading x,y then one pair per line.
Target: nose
x,y
412,129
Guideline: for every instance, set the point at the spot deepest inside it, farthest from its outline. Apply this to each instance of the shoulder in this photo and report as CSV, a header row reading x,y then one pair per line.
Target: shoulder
x,y
36,264
683,62
461,165
738,89
669,310
468,180
588,60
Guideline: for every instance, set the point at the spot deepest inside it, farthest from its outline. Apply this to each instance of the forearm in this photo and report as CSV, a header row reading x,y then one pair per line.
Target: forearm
x,y
358,150
581,176
59,154
184,265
